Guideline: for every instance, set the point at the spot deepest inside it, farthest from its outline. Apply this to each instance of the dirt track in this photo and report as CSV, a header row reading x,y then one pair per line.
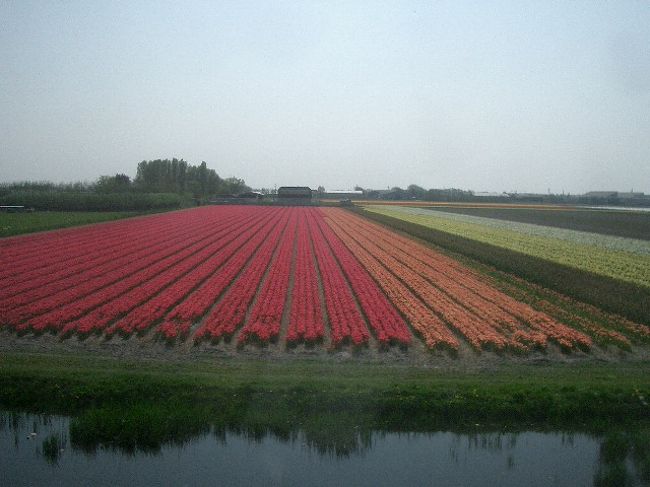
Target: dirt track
x,y
151,348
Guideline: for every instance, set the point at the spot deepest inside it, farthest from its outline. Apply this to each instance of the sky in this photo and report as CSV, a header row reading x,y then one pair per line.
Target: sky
x,y
491,96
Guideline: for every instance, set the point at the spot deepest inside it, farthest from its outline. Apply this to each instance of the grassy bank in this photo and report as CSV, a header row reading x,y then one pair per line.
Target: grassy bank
x,y
19,223
393,397
624,298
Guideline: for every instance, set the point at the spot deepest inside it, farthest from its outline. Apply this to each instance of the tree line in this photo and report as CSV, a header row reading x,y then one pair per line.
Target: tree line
x,y
173,176
161,183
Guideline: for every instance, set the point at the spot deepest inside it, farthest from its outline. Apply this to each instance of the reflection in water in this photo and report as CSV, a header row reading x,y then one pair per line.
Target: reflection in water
x,y
41,449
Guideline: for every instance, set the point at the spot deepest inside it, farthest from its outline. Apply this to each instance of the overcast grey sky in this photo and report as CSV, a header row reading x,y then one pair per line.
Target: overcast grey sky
x,y
480,95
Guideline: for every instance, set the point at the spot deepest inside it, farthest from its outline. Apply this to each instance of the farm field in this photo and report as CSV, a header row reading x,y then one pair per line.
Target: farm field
x,y
19,223
245,278
616,257
630,224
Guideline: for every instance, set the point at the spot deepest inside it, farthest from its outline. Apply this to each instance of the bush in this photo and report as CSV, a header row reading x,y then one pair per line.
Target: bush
x,y
69,201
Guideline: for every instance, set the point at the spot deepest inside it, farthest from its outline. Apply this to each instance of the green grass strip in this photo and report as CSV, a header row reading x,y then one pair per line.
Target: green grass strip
x,y
20,223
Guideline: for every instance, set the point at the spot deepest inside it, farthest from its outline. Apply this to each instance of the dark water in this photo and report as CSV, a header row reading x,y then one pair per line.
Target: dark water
x,y
50,457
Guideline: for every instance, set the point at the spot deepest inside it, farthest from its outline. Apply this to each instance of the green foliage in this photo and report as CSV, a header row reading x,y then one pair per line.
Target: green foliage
x,y
617,448
65,201
51,448
45,186
177,176
27,222
120,183
143,426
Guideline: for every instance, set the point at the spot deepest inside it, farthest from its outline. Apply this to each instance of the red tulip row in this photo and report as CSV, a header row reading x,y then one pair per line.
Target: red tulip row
x,y
113,301
229,313
147,304
139,279
266,316
193,308
38,254
112,264
306,315
346,322
382,316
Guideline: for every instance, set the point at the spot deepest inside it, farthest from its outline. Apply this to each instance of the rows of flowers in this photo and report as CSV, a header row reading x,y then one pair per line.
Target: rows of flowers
x,y
432,329
136,278
306,314
257,274
610,242
382,316
34,255
524,325
99,273
623,265
345,320
68,257
484,296
146,307
202,298
436,289
478,333
266,316
228,314
115,300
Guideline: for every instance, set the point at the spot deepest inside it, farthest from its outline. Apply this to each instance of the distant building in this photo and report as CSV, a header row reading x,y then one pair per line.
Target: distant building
x,y
294,193
602,194
341,194
251,195
631,195
490,194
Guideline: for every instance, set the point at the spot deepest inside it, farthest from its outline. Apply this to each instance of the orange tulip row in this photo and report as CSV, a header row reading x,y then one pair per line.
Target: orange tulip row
x,y
531,327
483,314
476,332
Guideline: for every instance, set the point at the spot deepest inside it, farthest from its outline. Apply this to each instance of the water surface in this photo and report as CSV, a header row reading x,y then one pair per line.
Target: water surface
x,y
39,450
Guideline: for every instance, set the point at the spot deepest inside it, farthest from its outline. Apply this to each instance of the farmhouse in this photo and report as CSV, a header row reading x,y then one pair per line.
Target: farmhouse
x,y
294,194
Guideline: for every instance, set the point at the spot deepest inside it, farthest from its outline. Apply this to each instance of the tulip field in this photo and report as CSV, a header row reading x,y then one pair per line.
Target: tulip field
x,y
254,275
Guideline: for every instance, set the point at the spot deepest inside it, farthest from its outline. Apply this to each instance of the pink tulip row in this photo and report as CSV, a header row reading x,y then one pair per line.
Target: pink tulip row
x,y
306,315
135,279
34,255
148,303
98,274
229,313
345,320
203,297
266,315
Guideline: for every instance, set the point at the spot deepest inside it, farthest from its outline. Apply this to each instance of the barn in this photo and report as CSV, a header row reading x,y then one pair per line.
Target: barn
x,y
294,194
